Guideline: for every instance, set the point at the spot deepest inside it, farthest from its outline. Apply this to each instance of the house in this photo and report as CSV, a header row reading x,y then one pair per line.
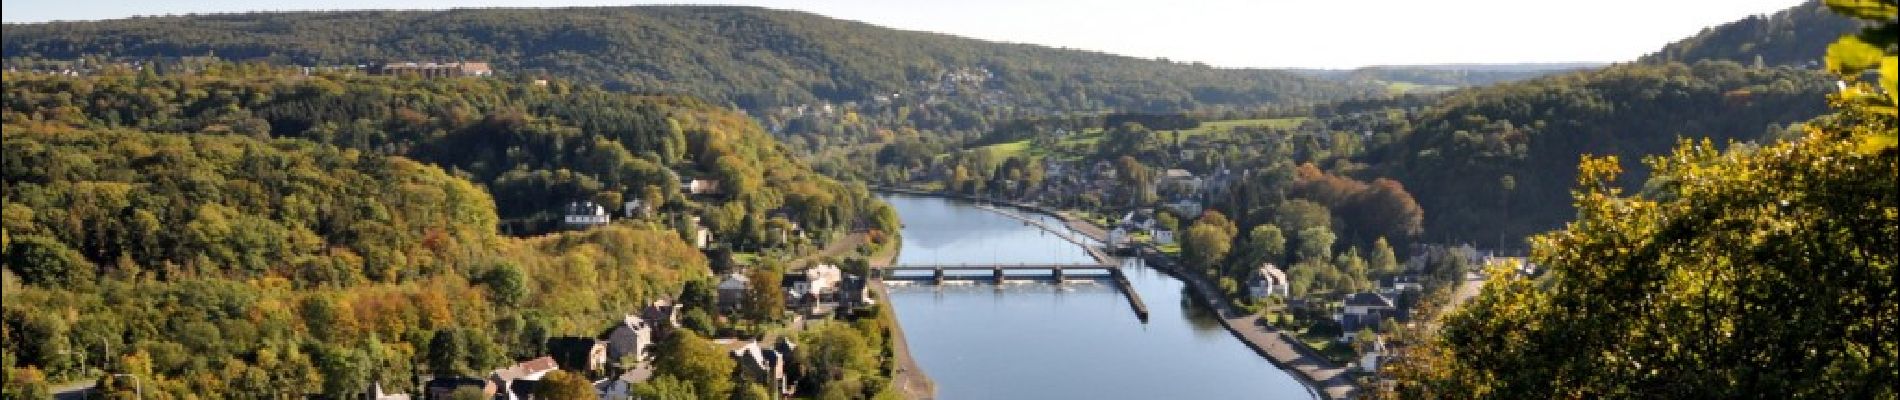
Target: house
x,y
818,284
764,365
1139,220
578,354
435,69
1185,207
635,208
621,387
732,290
628,341
585,214
1163,237
1363,311
1369,360
702,237
1268,280
519,380
1403,282
854,293
702,187
663,316
1180,182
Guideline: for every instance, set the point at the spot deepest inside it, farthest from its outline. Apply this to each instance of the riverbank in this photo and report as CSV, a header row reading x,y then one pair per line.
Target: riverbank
x,y
1326,379
909,379
1331,380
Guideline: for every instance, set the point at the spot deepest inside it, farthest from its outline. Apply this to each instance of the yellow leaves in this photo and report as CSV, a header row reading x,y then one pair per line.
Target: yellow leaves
x,y
1850,55
1878,10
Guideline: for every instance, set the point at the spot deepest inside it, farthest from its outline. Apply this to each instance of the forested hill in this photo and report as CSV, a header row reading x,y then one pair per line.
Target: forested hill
x,y
250,230
757,58
1498,162
1797,36
534,147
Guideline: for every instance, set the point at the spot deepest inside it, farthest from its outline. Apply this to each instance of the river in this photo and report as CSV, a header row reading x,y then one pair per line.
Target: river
x,y
1042,341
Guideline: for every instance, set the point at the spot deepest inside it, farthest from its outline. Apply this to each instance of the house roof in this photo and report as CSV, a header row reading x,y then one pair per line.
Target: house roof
x,y
1366,299
735,281
531,369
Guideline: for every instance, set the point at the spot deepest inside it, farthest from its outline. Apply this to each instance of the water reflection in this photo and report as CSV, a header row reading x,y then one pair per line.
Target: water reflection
x,y
1029,340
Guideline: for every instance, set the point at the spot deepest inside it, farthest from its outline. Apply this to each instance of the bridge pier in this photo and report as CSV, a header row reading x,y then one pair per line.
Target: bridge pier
x,y
999,275
939,276
1058,273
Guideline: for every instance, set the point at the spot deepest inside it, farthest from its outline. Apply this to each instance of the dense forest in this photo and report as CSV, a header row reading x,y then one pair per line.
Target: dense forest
x,y
215,265
1791,37
534,147
761,60
1496,163
252,229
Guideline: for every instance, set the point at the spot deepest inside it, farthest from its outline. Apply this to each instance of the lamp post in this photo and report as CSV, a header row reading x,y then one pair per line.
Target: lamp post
x,y
137,387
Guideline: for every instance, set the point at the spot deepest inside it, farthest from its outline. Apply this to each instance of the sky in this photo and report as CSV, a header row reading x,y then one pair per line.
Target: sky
x,y
1224,33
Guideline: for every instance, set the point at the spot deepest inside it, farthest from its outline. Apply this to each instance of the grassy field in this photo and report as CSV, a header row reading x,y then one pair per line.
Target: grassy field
x,y
1007,150
1218,129
1084,142
1400,87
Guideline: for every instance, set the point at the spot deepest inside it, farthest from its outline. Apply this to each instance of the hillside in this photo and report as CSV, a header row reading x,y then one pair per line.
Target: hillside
x,y
1456,154
535,148
1797,36
760,59
303,231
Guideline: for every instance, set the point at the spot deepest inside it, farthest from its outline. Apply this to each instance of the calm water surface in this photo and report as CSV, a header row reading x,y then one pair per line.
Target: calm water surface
x,y
1077,341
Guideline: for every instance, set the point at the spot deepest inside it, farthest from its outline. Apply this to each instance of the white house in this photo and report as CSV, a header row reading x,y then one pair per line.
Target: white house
x,y
532,370
1363,311
1268,280
583,214
820,284
702,237
1163,237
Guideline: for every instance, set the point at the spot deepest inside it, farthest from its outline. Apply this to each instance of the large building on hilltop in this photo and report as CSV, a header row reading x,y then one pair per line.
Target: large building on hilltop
x,y
435,69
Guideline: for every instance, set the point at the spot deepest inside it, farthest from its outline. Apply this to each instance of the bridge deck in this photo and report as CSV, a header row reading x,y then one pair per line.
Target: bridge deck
x,y
992,267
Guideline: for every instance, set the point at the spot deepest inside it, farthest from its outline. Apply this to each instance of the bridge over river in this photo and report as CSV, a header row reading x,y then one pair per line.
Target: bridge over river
x,y
999,273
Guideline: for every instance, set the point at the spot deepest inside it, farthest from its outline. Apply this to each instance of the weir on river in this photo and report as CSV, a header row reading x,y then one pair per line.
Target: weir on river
x,y
1034,340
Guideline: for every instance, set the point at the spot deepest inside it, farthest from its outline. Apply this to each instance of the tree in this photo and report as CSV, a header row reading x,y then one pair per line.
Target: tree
x,y
1316,243
697,362
506,283
1205,245
765,299
1382,261
1751,274
1167,222
664,387
1299,215
563,385
1269,242
344,371
45,261
834,354
447,353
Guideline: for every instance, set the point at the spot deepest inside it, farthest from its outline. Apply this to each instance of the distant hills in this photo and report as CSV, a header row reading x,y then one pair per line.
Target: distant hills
x,y
1434,77
756,58
1796,37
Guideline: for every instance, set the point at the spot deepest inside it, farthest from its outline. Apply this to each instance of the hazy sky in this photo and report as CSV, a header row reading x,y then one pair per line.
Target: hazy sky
x,y
1228,33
